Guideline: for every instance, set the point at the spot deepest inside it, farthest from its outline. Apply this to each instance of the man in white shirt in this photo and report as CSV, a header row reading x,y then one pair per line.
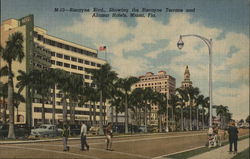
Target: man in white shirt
x,y
83,137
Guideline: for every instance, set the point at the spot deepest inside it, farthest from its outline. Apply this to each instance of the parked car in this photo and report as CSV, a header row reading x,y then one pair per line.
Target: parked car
x,y
94,130
75,130
21,131
46,130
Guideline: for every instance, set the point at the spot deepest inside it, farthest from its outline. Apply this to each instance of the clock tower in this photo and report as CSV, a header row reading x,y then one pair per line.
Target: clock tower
x,y
187,82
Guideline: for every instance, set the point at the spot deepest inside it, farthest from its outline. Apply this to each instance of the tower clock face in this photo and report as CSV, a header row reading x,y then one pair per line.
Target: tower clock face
x,y
187,76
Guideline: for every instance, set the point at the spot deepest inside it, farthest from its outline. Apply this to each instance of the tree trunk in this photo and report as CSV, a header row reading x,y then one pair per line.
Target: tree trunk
x,y
104,113
150,115
71,111
11,133
90,114
54,106
145,119
197,118
112,115
94,113
116,117
17,115
74,114
101,118
64,109
160,123
126,113
4,111
202,118
190,118
182,120
43,111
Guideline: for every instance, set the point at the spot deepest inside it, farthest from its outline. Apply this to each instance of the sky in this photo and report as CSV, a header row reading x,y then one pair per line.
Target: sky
x,y
136,45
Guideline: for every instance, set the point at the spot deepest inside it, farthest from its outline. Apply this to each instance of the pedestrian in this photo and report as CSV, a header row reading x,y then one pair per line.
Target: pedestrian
x,y
65,135
109,135
233,137
83,135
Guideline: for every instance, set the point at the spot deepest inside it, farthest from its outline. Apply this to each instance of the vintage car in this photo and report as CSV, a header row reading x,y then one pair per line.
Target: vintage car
x,y
46,130
94,130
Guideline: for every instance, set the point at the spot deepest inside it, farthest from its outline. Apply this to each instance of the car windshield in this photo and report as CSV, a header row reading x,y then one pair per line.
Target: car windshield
x,y
43,127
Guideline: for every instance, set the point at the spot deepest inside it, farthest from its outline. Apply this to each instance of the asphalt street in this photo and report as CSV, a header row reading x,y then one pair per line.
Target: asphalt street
x,y
129,147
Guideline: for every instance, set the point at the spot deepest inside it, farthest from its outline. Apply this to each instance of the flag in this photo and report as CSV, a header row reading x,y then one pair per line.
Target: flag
x,y
102,48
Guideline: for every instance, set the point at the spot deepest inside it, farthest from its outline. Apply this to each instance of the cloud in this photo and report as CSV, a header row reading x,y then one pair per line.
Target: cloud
x,y
98,30
129,66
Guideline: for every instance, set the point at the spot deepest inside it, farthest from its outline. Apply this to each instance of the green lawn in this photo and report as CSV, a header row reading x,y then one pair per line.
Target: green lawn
x,y
242,155
185,155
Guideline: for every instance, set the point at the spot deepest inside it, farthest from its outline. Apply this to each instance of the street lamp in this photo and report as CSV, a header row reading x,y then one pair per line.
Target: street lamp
x,y
180,45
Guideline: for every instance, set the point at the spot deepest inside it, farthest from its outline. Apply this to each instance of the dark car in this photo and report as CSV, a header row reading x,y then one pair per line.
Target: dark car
x,y
21,131
75,130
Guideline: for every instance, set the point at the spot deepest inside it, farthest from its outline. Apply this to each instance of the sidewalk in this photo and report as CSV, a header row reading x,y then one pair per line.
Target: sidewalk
x,y
222,152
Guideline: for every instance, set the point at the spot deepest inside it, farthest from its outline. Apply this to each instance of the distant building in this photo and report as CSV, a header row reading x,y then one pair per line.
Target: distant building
x,y
187,82
160,82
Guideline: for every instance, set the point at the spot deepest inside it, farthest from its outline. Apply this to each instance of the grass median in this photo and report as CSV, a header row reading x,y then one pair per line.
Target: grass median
x,y
243,154
187,154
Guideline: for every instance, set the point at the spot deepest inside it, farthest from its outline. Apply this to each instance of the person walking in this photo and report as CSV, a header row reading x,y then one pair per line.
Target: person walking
x,y
109,135
65,135
233,137
83,135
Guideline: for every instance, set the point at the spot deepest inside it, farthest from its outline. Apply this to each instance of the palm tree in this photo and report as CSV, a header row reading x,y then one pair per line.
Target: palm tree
x,y
64,86
162,109
125,85
192,94
173,101
199,101
223,112
76,87
53,77
18,98
102,78
183,99
137,101
12,52
3,95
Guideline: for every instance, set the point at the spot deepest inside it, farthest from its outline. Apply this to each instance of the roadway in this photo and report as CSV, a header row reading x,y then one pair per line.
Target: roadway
x,y
126,147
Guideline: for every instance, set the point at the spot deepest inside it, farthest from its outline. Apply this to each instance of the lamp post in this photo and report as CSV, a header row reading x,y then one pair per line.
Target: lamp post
x,y
180,45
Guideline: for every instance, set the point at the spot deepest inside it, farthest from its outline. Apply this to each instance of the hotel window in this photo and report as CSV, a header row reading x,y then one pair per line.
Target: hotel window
x,y
80,60
80,68
66,57
74,66
86,76
58,63
53,53
92,64
87,62
60,45
98,65
59,55
66,65
73,59
52,62
67,47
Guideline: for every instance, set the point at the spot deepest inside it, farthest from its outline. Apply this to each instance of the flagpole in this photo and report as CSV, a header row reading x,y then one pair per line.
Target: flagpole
x,y
106,54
